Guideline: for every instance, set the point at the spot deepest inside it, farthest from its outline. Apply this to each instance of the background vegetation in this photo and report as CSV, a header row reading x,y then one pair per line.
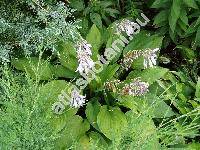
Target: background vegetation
x,y
39,60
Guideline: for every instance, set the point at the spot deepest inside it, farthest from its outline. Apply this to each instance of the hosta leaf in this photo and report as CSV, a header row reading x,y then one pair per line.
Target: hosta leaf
x,y
183,16
174,14
77,4
191,3
161,17
94,38
67,55
144,40
109,43
75,128
98,140
160,4
111,122
92,110
108,72
36,68
60,71
149,75
96,19
49,93
150,105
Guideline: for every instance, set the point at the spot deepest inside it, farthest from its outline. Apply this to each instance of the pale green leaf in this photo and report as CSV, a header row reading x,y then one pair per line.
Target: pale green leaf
x,y
40,69
111,122
92,110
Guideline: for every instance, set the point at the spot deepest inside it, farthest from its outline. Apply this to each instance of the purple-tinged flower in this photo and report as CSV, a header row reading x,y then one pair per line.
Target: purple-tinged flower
x,y
135,88
83,55
77,100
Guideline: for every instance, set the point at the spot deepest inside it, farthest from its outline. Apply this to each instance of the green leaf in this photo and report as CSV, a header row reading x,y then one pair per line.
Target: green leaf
x,y
63,72
174,14
96,19
98,140
150,105
67,55
149,75
161,4
191,3
197,93
40,69
108,72
94,38
75,128
77,4
144,40
49,93
183,16
92,110
111,122
186,52
161,17
197,39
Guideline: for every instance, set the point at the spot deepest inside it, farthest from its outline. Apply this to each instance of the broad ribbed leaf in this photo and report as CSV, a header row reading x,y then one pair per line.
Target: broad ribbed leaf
x,y
40,69
92,110
111,121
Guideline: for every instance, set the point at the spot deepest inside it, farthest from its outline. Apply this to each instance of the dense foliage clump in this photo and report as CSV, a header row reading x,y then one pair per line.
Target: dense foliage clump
x,y
79,74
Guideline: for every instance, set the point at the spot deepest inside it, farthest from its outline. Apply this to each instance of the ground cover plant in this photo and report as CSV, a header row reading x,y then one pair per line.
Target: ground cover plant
x,y
78,74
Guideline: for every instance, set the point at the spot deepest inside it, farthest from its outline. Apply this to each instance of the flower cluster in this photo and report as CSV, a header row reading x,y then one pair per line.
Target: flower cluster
x,y
126,26
83,55
129,58
112,85
77,100
135,88
149,55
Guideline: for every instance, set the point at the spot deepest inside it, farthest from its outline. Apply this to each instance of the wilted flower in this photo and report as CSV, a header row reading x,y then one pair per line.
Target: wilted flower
x,y
135,88
83,55
112,85
129,58
150,57
126,26
77,100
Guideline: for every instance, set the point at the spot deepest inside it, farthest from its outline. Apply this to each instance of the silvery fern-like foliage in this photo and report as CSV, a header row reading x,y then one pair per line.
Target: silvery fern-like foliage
x,y
34,26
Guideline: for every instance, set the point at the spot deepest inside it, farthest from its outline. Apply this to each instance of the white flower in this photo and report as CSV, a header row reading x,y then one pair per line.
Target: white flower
x,y
126,26
83,55
150,57
77,100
